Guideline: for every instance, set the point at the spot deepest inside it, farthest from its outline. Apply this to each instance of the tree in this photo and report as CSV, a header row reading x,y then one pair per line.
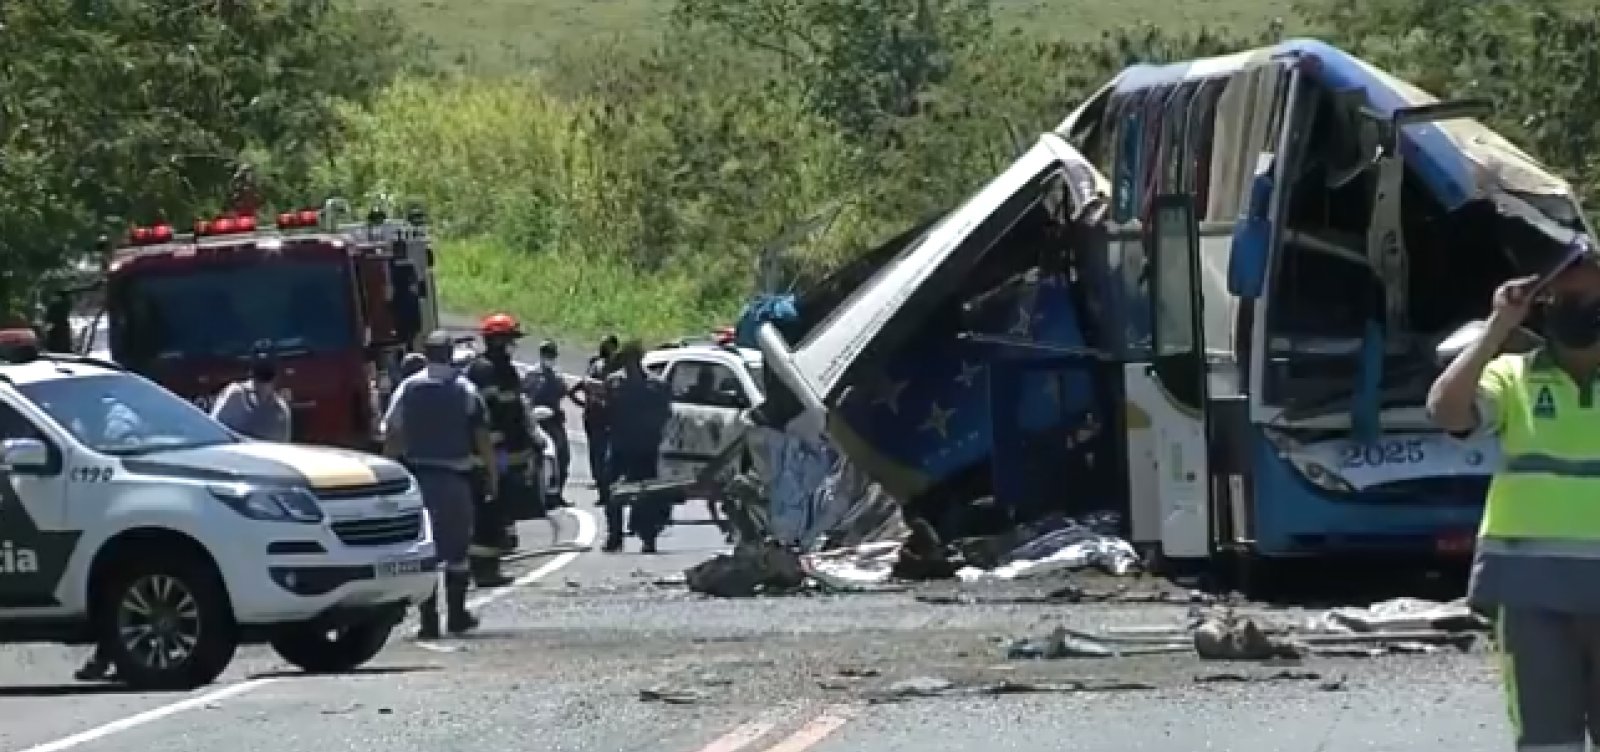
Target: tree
x,y
861,63
120,110
1534,60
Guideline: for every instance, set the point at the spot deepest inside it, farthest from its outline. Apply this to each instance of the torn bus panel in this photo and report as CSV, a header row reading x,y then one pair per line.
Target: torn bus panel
x,y
968,321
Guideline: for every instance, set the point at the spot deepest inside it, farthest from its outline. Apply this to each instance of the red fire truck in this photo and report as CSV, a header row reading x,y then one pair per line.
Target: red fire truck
x,y
336,302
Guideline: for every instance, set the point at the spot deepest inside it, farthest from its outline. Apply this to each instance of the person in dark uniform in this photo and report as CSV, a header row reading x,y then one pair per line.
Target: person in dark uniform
x,y
638,406
438,427
497,380
594,424
544,386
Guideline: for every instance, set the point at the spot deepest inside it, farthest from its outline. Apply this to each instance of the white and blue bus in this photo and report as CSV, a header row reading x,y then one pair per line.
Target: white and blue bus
x,y
1265,252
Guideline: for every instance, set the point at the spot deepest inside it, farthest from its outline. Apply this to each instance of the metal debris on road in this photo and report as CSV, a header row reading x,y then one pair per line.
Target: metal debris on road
x,y
929,686
668,696
1232,636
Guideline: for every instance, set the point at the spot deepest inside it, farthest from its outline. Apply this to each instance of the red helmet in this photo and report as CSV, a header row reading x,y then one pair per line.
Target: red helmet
x,y
499,324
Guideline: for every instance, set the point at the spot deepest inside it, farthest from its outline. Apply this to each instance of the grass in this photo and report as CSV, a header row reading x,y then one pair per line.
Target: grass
x,y
512,172
506,35
479,276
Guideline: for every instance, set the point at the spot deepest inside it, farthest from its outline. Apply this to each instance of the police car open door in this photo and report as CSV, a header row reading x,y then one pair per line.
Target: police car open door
x,y
1170,390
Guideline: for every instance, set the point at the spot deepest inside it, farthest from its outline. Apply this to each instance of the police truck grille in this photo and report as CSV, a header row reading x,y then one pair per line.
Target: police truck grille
x,y
380,532
386,488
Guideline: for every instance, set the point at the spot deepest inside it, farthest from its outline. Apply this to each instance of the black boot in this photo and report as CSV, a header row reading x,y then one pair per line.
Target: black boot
x,y
613,544
457,618
510,538
97,669
428,613
486,572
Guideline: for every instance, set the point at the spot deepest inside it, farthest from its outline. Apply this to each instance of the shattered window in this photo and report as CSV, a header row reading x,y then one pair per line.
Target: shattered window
x,y
703,383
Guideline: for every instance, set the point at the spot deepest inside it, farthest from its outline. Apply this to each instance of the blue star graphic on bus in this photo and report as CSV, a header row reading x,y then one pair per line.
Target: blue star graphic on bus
x,y
930,410
888,395
969,374
938,420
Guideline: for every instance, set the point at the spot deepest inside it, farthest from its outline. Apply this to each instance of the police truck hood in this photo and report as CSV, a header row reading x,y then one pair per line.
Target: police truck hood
x,y
270,463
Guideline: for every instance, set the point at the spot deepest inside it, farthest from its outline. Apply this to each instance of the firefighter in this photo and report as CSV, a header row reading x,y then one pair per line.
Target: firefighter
x,y
594,424
637,408
496,378
253,407
1537,560
438,426
545,386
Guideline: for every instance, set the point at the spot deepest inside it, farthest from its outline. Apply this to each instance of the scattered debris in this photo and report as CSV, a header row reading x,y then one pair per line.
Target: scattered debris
x,y
858,568
922,686
1233,638
1240,678
1402,615
752,569
928,686
1067,643
1070,546
668,696
859,673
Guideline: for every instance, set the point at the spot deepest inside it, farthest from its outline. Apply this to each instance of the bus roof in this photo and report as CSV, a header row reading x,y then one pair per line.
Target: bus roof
x,y
1460,160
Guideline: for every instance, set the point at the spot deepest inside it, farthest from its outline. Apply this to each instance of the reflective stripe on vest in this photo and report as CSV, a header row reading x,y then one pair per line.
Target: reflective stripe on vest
x,y
1545,500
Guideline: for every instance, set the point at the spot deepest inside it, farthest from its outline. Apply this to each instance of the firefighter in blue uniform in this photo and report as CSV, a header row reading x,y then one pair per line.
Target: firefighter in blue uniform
x,y
438,427
638,406
497,380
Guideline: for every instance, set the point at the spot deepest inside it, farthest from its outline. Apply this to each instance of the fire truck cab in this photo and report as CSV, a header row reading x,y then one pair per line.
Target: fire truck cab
x,y
336,302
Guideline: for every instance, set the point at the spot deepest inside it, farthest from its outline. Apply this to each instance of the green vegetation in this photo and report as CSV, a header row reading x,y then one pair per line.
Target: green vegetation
x,y
631,184
500,36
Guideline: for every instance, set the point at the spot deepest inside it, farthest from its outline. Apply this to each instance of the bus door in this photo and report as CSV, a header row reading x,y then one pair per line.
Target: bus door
x,y
1167,393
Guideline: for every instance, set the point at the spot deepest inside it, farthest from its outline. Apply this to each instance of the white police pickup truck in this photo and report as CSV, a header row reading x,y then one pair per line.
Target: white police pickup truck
x,y
131,520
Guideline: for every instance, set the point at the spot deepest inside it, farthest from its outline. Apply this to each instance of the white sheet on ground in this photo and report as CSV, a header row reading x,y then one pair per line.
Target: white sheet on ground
x,y
1078,551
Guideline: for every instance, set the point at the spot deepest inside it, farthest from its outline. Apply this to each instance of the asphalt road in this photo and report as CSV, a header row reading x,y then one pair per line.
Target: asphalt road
x,y
607,653
604,653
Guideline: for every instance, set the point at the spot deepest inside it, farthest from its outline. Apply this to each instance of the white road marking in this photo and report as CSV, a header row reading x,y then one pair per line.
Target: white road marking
x,y
740,737
156,714
587,531
817,729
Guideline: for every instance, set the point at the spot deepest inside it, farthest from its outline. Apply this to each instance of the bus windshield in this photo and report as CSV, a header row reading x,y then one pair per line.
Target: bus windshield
x,y
287,307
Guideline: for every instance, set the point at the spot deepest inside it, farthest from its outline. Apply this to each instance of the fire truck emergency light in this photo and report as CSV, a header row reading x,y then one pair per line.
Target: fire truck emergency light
x,y
225,226
300,219
150,235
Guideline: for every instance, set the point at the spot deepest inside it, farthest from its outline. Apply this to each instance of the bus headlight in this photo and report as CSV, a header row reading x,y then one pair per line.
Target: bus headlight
x,y
1322,477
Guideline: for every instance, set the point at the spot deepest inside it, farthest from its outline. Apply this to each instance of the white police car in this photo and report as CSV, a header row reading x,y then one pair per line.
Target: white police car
x,y
712,387
132,520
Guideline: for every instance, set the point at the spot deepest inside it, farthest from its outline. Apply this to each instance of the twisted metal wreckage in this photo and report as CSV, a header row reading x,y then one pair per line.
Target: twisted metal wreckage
x,y
1258,296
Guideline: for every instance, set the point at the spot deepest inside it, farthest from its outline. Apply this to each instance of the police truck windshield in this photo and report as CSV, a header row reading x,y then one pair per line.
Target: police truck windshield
x,y
124,415
290,307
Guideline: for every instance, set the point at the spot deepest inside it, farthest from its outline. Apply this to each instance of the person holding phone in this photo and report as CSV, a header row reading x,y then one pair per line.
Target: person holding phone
x,y
1536,567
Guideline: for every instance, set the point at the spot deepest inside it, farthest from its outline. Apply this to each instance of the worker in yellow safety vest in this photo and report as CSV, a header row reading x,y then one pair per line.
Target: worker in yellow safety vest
x,y
1537,563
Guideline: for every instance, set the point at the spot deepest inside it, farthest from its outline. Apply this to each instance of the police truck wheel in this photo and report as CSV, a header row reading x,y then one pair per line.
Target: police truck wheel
x,y
331,651
164,620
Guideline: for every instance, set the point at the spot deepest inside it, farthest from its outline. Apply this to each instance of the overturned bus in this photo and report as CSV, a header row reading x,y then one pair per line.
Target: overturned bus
x,y
1213,299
